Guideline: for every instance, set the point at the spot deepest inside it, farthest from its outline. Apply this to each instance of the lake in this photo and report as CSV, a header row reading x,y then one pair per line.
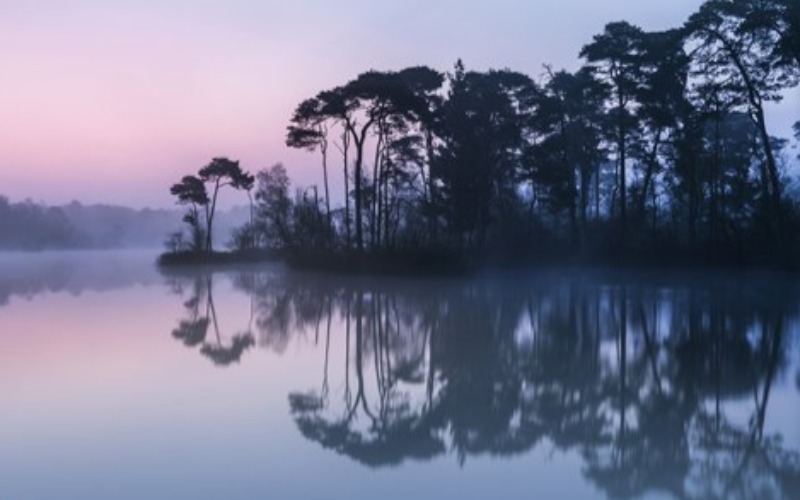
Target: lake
x,y
120,382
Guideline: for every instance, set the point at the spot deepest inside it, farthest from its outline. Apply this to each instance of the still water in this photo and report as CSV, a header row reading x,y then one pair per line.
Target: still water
x,y
119,382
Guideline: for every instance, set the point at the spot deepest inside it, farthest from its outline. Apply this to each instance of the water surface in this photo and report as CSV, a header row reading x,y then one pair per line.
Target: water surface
x,y
119,382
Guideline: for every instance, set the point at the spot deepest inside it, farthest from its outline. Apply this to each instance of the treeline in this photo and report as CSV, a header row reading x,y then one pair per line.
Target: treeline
x,y
29,225
658,147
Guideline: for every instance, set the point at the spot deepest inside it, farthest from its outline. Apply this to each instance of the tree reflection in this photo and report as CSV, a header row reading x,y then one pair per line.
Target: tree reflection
x,y
659,387
202,314
376,422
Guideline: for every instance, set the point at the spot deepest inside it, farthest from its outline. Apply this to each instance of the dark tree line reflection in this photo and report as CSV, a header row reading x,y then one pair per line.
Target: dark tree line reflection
x,y
202,315
658,385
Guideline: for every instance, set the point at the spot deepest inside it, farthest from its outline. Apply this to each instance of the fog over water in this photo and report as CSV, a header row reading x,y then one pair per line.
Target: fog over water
x,y
496,151
118,381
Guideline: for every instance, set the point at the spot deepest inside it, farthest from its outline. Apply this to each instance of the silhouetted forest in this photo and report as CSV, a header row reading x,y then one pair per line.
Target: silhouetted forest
x,y
658,148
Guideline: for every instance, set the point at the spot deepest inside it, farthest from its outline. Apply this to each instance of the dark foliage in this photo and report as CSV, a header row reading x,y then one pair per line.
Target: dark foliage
x,y
657,150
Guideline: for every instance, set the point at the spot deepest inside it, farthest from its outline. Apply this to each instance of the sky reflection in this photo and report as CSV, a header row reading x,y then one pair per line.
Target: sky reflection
x,y
442,389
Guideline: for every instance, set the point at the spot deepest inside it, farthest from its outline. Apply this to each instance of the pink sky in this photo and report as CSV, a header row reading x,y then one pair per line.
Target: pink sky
x,y
113,101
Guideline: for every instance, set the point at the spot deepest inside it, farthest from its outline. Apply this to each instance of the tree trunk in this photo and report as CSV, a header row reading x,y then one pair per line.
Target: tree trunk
x,y
648,175
757,113
375,216
210,219
584,202
324,150
358,179
252,227
623,185
345,153
772,170
359,139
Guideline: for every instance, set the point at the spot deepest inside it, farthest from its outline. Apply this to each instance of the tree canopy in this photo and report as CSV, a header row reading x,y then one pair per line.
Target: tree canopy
x,y
659,147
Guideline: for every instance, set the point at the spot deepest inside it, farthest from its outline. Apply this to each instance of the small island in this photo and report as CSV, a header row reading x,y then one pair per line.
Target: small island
x,y
656,152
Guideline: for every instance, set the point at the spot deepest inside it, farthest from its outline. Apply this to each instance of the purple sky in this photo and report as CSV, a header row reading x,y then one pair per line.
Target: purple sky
x,y
111,101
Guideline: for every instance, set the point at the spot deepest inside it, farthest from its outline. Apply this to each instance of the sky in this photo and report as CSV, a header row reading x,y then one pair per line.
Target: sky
x,y
113,101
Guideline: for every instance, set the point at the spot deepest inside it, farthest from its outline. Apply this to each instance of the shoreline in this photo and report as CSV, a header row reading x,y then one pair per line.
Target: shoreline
x,y
444,264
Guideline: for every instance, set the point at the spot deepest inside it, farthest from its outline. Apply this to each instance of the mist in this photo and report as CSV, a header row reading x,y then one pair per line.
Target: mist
x,y
399,249
28,225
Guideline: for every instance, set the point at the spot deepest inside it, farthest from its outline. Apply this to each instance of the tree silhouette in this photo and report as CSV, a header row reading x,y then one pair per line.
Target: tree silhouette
x,y
191,191
567,153
219,173
481,156
310,131
273,207
662,101
741,58
617,56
